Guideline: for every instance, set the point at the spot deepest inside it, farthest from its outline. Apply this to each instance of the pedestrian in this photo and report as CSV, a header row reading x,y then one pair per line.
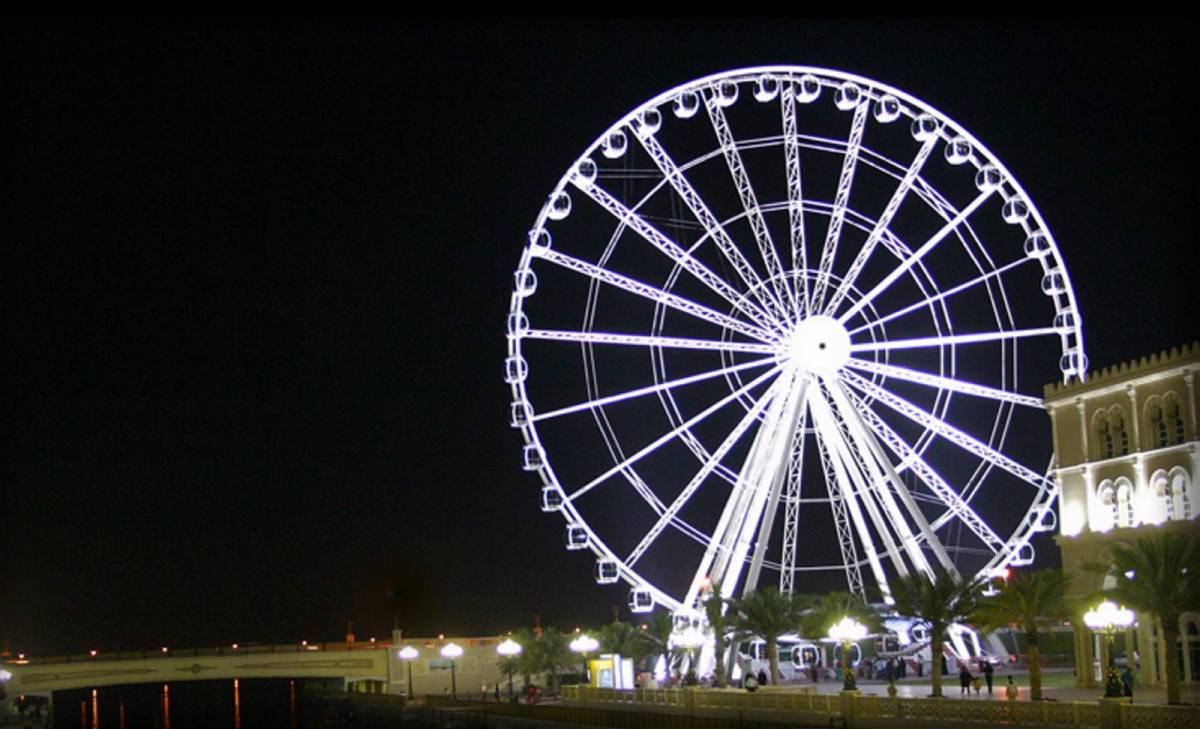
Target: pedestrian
x,y
964,681
497,691
988,670
750,684
762,677
1011,690
1127,682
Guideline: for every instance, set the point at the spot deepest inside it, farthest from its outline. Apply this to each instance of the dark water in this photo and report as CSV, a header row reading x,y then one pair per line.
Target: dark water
x,y
241,704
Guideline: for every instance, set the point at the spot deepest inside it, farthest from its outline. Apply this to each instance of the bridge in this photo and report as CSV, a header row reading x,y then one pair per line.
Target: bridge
x,y
354,663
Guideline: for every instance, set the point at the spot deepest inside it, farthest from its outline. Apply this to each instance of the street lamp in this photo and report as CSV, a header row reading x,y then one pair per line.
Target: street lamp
x,y
452,651
584,645
846,631
510,649
690,639
408,654
1107,619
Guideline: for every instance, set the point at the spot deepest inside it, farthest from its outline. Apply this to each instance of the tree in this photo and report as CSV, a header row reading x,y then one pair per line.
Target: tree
x,y
1159,575
768,614
527,662
553,656
722,620
625,640
940,599
1028,600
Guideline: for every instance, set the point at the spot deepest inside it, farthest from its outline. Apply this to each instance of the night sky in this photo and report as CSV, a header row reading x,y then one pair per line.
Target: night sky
x,y
256,276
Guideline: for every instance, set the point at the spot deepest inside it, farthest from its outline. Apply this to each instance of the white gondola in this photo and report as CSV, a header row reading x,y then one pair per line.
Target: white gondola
x,y
1024,556
576,537
606,571
532,458
641,600
551,499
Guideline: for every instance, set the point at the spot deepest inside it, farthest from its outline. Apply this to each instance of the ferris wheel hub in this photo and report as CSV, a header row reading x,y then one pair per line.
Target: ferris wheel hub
x,y
818,344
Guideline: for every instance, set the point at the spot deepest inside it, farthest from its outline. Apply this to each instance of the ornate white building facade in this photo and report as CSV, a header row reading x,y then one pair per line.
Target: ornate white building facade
x,y
1127,463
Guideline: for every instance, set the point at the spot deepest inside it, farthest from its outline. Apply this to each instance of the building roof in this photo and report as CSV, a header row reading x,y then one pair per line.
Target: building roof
x,y
1125,371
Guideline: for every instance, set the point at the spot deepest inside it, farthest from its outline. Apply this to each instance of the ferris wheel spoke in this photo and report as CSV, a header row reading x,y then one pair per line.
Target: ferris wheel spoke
x,y
944,383
652,293
953,339
881,225
728,248
673,433
675,252
791,151
840,201
947,431
741,180
641,340
791,509
652,389
956,506
916,256
710,463
942,295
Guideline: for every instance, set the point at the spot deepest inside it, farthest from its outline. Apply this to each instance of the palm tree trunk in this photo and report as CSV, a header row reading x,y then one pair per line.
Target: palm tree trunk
x,y
773,657
1035,666
719,669
935,663
1170,636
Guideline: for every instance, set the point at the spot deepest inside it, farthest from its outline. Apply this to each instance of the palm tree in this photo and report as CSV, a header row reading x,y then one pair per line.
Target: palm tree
x,y
553,656
768,614
722,620
1027,599
1159,575
940,599
527,662
822,611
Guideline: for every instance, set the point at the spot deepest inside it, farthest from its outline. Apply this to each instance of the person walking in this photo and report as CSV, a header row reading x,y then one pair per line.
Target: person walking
x,y
964,681
988,670
762,677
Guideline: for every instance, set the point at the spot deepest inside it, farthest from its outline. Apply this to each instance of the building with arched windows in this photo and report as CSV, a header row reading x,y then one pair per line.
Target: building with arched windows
x,y
1127,460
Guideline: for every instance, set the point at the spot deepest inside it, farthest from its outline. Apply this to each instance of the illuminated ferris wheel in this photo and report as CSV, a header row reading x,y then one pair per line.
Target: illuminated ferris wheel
x,y
789,325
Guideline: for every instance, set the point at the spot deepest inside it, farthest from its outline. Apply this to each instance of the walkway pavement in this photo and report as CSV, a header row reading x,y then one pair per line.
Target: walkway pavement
x,y
1052,689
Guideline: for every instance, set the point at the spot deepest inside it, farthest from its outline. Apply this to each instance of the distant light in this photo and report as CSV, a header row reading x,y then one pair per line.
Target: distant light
x,y
20,656
509,647
235,646
164,649
584,644
441,636
452,651
304,642
4,675
408,653
93,652
1129,575
372,640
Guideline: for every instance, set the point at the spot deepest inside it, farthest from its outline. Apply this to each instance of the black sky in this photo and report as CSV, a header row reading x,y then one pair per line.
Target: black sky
x,y
256,275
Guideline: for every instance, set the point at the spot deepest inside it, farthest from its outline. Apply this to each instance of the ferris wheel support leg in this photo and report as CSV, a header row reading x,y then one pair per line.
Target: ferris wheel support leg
x,y
791,511
841,521
762,471
861,477
841,483
889,478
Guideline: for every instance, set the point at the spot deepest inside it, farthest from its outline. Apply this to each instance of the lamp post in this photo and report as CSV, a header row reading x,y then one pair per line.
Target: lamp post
x,y
452,651
408,654
584,645
846,631
1107,619
691,638
510,649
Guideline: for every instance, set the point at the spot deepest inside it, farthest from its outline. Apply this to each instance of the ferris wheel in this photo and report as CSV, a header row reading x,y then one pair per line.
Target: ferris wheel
x,y
789,325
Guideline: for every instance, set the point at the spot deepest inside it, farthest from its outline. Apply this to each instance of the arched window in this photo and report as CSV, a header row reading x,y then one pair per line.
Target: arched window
x,y
1180,508
1119,434
1172,419
1105,445
1104,515
1158,500
1124,507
